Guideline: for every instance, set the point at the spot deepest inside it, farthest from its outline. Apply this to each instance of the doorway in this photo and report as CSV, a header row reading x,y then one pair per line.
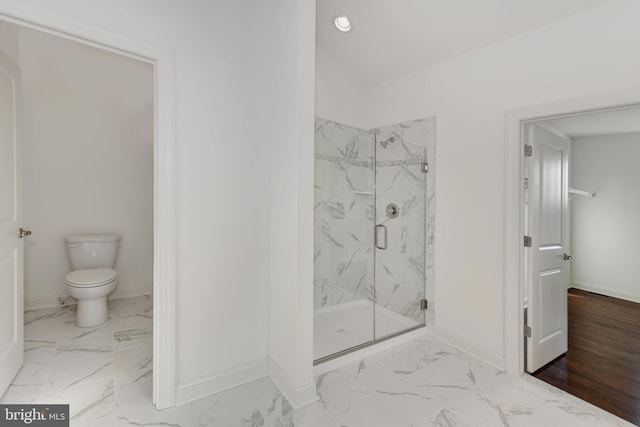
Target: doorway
x,y
163,167
590,308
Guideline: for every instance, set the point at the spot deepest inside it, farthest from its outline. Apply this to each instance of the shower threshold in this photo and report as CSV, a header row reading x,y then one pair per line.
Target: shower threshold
x,y
344,328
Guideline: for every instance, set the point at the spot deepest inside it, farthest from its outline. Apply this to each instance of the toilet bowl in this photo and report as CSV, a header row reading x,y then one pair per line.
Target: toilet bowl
x,y
91,288
93,278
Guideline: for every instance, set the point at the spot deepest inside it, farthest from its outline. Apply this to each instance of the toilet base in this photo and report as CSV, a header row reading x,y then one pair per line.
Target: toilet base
x,y
92,312
92,303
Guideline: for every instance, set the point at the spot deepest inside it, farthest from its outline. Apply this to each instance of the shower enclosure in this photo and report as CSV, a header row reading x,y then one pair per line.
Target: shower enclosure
x,y
371,230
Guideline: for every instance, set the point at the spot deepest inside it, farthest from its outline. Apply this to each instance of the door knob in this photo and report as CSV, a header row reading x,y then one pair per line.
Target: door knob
x,y
23,233
567,257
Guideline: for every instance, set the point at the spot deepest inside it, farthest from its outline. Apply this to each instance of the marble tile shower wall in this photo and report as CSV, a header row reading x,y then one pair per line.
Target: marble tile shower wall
x,y
344,214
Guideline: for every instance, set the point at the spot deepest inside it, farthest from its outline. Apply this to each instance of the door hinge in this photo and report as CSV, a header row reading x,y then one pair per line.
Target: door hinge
x,y
424,167
423,304
527,331
23,233
528,150
527,241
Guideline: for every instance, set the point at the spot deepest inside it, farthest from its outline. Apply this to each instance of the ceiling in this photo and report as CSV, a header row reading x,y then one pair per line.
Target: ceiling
x,y
394,37
602,123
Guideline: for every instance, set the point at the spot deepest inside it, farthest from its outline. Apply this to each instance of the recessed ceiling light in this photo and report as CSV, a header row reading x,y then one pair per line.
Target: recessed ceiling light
x,y
342,23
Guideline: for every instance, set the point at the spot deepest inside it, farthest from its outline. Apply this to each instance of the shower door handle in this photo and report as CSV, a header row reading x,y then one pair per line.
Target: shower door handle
x,y
377,236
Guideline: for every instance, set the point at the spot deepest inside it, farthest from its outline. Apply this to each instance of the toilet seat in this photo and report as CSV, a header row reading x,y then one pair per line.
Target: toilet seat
x,y
91,278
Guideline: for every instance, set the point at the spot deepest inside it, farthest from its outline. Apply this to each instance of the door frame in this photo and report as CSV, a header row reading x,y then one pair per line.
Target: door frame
x,y
514,206
164,210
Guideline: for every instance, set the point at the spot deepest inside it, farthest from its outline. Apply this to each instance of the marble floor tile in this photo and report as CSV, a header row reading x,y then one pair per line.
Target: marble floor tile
x,y
562,414
134,373
130,389
91,404
258,403
28,383
20,393
100,335
134,362
313,415
105,374
42,325
66,353
142,413
78,372
132,332
40,352
446,418
365,412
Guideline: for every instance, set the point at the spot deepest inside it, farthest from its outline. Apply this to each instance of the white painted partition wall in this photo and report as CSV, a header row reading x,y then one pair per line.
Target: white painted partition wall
x,y
9,40
340,96
290,123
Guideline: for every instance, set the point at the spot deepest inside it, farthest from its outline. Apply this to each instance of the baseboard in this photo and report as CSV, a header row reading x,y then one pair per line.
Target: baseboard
x,y
297,397
464,345
61,300
140,291
608,292
48,302
221,381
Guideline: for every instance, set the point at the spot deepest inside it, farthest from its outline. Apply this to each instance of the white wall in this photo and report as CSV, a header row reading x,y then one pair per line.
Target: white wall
x,y
88,160
9,40
222,178
470,95
605,231
340,96
288,122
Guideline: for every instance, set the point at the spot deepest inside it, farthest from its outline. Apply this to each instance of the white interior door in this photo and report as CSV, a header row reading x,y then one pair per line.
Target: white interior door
x,y
11,246
549,229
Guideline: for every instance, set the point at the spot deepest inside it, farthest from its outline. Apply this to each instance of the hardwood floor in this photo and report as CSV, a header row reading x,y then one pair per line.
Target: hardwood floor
x,y
602,365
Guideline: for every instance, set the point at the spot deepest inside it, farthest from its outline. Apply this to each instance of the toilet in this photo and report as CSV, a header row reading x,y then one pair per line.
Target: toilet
x,y
92,257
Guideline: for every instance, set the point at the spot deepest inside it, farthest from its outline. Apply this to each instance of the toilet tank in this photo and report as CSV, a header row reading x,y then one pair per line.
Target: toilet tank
x,y
92,250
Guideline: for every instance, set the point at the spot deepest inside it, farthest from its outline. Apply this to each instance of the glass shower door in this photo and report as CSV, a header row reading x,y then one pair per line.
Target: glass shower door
x,y
400,236
343,241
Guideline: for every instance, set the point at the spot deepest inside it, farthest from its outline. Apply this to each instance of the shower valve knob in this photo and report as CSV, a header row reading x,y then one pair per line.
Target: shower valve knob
x,y
393,210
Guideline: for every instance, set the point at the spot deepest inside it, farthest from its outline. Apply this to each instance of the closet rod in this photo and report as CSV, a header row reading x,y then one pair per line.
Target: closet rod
x,y
580,193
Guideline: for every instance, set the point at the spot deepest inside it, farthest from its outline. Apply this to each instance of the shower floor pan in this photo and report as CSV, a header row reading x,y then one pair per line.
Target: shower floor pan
x,y
342,327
